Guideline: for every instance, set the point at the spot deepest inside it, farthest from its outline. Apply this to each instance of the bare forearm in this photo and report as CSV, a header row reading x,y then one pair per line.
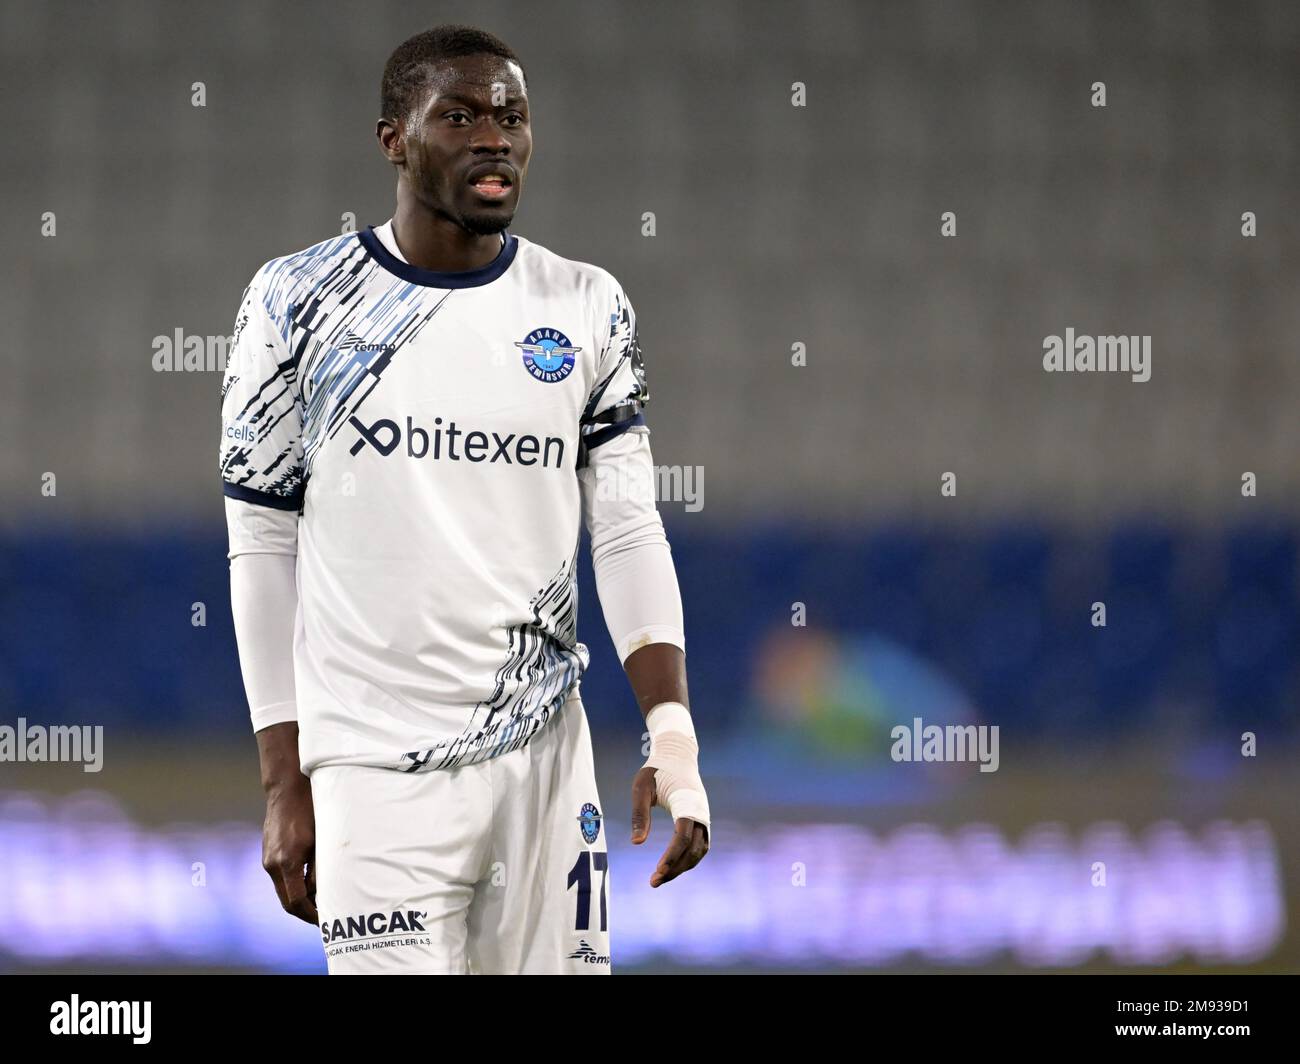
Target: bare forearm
x,y
277,749
670,777
289,833
657,673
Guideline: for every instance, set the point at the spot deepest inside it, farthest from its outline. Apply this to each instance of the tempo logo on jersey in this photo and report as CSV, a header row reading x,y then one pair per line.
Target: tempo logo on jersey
x,y
352,342
589,823
548,355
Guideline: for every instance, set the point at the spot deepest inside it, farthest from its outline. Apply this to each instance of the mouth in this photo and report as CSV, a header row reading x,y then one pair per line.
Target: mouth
x,y
493,186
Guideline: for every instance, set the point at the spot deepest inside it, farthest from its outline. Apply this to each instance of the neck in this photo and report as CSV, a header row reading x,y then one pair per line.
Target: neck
x,y
433,241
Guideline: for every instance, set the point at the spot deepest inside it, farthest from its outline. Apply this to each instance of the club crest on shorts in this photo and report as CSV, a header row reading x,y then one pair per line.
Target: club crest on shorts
x,y
548,354
589,823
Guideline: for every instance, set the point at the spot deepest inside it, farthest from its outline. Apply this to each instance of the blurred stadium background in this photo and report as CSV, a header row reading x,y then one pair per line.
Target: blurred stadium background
x,y
776,225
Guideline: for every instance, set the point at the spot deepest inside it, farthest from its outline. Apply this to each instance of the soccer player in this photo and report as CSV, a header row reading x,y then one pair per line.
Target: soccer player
x,y
414,420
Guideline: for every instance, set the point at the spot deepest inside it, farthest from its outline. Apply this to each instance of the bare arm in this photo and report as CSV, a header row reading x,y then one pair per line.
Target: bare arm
x,y
289,831
657,673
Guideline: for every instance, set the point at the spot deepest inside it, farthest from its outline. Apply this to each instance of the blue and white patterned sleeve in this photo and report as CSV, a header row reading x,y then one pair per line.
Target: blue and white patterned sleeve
x,y
620,394
261,451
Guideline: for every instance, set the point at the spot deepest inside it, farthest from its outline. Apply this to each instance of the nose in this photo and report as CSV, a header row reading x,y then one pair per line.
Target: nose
x,y
487,137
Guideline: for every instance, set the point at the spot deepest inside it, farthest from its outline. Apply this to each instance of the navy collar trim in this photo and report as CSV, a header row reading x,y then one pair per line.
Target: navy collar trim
x,y
434,278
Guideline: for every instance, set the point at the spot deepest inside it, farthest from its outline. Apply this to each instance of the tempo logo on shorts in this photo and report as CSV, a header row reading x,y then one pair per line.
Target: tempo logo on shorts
x,y
587,955
548,355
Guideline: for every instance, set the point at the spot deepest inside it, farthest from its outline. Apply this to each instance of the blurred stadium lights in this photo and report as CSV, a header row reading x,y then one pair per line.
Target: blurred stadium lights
x,y
84,883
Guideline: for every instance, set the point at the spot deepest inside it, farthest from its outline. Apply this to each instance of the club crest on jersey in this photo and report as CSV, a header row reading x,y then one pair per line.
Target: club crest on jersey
x,y
589,823
548,354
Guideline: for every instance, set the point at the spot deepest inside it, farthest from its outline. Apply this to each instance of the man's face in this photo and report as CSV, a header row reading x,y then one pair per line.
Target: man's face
x,y
467,143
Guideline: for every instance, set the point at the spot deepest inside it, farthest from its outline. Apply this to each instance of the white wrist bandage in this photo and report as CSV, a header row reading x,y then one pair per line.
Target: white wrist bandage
x,y
674,755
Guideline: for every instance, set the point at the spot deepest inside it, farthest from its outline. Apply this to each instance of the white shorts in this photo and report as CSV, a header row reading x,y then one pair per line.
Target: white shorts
x,y
495,868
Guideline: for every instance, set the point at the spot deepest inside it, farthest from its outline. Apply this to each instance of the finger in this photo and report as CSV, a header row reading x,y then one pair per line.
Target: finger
x,y
643,792
678,846
693,830
311,888
294,878
309,903
699,843
274,872
697,847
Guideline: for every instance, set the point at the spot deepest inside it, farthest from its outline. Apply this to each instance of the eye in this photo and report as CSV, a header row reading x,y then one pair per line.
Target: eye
x,y
516,116
457,114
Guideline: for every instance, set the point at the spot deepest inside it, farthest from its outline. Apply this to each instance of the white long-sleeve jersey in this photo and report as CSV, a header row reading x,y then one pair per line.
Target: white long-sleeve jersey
x,y
428,432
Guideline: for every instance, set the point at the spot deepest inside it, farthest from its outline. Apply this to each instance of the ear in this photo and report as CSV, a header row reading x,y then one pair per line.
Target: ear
x,y
392,140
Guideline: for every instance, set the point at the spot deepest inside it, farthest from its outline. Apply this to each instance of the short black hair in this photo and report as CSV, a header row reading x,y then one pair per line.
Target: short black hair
x,y
407,71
